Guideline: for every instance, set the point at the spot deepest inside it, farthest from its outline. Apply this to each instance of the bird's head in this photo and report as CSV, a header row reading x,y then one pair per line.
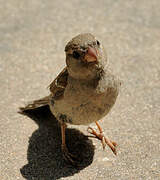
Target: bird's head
x,y
85,56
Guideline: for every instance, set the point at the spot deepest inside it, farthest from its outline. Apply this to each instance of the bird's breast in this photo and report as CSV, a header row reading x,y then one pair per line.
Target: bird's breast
x,y
81,104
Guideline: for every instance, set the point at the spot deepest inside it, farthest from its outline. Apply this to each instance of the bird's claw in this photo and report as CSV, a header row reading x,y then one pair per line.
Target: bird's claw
x,y
68,157
93,132
104,140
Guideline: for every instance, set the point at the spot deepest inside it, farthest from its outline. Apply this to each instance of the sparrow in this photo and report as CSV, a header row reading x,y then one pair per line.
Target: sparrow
x,y
83,92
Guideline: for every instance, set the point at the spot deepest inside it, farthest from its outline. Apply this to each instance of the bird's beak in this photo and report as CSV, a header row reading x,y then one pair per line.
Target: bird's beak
x,y
91,55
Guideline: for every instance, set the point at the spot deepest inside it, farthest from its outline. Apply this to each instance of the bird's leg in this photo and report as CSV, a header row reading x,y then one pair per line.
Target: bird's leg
x,y
67,156
103,139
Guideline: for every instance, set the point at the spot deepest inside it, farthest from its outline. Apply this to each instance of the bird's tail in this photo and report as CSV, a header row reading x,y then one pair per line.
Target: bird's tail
x,y
35,104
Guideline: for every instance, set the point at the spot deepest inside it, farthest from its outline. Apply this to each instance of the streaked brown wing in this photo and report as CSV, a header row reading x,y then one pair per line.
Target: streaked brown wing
x,y
57,87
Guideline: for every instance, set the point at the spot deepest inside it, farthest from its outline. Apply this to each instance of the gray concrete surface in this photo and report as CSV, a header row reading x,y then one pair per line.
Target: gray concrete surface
x,y
32,39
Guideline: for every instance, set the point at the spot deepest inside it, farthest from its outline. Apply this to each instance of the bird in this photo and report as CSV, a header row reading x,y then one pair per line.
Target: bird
x,y
84,91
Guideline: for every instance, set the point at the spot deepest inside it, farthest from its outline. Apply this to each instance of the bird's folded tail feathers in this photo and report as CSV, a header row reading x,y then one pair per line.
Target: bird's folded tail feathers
x,y
35,104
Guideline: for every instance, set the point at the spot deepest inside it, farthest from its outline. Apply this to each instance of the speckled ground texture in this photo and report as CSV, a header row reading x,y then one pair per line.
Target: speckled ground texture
x,y
32,39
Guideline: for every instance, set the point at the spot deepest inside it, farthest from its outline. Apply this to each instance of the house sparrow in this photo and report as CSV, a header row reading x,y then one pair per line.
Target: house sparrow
x,y
84,92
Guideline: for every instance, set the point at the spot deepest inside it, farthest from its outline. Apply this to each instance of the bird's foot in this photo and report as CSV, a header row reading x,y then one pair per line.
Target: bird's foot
x,y
68,157
104,140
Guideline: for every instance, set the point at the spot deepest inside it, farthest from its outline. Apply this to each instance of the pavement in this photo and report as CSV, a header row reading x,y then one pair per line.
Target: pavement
x,y
33,35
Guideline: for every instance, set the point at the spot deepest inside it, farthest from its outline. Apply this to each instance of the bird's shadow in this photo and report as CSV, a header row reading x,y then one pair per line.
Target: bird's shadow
x,y
45,160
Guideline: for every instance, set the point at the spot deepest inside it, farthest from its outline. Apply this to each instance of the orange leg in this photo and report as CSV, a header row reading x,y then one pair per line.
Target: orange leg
x,y
103,139
67,156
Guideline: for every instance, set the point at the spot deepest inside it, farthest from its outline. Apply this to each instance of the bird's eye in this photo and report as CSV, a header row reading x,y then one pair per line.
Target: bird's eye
x,y
98,43
76,55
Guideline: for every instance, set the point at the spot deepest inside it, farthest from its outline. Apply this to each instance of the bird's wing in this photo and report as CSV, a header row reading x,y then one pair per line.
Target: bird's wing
x,y
57,87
